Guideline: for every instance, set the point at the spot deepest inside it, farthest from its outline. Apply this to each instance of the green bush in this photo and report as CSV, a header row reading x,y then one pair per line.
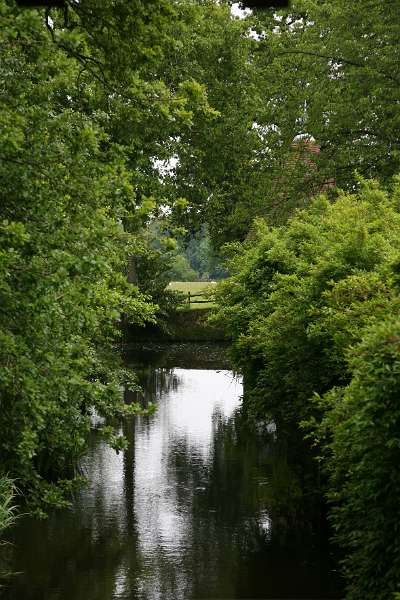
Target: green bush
x,y
360,434
313,308
301,294
66,192
181,270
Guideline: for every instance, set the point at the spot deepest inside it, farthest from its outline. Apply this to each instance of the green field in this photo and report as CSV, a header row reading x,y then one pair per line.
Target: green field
x,y
194,287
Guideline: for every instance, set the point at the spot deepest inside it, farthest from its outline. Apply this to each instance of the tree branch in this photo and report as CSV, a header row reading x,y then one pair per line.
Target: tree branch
x,y
338,59
81,58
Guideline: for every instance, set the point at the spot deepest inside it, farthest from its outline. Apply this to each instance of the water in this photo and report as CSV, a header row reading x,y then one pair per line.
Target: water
x,y
201,505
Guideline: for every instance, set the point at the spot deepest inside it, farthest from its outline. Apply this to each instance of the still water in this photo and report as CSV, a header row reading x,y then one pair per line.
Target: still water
x,y
201,505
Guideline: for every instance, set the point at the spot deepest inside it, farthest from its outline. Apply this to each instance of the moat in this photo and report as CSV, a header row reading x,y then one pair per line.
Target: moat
x,y
199,506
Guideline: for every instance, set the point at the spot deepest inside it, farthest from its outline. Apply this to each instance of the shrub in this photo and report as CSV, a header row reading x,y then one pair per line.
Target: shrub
x,y
360,435
301,294
313,307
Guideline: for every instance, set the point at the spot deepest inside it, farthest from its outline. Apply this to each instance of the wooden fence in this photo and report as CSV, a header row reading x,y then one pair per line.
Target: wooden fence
x,y
190,299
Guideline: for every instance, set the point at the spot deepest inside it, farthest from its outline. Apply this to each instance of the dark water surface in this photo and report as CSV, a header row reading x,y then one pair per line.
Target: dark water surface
x,y
201,505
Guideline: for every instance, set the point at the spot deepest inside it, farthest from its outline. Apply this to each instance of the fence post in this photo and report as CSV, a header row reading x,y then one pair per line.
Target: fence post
x,y
189,298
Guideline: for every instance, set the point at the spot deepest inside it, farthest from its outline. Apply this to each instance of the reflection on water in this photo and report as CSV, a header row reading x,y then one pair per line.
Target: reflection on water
x,y
173,457
189,511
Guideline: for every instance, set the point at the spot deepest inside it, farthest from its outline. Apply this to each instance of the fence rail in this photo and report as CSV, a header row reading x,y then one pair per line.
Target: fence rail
x,y
189,299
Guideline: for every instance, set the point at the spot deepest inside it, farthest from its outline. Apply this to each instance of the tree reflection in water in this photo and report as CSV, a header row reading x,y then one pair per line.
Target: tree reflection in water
x,y
202,505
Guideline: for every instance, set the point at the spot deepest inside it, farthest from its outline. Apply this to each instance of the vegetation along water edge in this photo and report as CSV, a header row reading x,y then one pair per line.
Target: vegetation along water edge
x,y
191,141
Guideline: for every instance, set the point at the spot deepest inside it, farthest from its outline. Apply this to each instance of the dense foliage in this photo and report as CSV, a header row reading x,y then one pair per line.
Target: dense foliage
x,y
332,70
116,116
360,433
313,309
215,167
83,112
312,304
195,259
63,257
327,69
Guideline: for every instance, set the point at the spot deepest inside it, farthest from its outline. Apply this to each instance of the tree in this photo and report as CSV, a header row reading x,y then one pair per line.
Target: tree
x,y
63,257
331,70
324,69
75,166
181,270
299,296
312,307
216,158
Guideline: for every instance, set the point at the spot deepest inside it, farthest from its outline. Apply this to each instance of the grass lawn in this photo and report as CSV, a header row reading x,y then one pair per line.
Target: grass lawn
x,y
194,287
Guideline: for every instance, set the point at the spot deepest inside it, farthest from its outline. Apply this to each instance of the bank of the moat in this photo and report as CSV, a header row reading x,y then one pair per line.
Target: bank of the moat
x,y
185,325
201,505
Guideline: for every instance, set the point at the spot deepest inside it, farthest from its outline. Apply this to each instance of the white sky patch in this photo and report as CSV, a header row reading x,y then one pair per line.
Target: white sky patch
x,y
264,130
241,13
256,36
165,210
167,167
